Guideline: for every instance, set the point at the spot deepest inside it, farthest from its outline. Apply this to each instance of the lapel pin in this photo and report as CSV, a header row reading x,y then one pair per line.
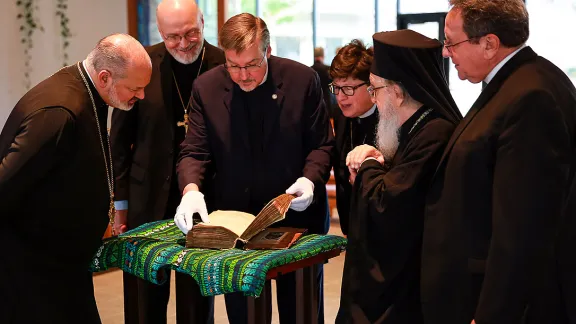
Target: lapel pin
x,y
274,96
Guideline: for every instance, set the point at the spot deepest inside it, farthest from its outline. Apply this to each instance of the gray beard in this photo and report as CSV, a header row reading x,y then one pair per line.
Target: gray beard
x,y
190,57
115,102
388,132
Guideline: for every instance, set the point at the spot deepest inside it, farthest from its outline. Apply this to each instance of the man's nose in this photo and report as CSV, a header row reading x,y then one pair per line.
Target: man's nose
x,y
243,74
445,52
140,94
184,42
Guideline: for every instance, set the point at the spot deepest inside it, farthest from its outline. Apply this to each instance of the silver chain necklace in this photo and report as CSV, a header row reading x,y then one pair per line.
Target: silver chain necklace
x,y
109,170
424,114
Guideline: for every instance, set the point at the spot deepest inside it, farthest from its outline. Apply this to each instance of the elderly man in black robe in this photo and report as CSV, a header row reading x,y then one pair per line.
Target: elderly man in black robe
x,y
380,283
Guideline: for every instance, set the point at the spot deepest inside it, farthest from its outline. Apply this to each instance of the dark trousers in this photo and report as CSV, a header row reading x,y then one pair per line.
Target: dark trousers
x,y
236,303
147,303
47,295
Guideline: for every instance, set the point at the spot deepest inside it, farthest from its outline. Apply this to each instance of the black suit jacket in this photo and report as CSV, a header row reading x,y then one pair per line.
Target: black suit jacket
x,y
54,202
143,140
500,216
323,71
298,141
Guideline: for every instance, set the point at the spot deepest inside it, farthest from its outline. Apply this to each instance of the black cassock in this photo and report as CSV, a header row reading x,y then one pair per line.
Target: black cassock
x,y
349,133
380,282
54,202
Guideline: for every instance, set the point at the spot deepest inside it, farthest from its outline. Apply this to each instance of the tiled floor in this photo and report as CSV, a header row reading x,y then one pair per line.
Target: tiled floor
x,y
108,290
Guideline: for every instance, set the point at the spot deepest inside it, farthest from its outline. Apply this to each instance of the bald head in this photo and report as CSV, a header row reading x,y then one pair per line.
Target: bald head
x,y
177,13
117,53
181,26
120,69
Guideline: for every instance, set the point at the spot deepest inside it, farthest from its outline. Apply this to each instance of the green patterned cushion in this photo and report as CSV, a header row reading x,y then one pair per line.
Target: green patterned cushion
x,y
151,249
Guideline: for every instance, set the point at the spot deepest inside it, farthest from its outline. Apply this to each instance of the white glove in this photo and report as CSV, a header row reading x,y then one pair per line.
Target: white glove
x,y
192,202
304,189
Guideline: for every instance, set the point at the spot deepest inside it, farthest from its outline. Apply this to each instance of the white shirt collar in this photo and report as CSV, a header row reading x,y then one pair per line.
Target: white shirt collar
x,y
497,68
369,112
265,75
90,77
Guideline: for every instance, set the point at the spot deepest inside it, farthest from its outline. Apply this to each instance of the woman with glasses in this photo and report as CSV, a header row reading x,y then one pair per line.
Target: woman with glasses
x,y
355,122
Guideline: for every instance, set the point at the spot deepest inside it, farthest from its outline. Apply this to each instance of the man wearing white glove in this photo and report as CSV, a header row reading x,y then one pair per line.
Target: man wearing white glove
x,y
257,133
304,189
192,202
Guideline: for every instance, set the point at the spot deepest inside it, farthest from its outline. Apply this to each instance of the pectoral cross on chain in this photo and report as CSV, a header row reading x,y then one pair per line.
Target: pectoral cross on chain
x,y
184,123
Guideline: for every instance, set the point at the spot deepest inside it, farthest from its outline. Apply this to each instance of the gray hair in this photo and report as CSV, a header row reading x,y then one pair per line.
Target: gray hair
x,y
507,19
242,31
115,53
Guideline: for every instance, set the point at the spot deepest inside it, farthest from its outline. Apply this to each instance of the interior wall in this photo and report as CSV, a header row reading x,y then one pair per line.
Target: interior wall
x,y
89,21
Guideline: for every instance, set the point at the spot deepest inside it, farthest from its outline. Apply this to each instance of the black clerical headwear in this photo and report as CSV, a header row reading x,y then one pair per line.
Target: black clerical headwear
x,y
415,61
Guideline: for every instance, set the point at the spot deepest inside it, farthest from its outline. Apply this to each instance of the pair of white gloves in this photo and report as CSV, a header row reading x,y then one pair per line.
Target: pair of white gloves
x,y
193,202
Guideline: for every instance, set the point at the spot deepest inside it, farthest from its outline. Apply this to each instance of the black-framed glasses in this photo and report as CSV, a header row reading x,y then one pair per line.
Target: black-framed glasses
x,y
347,90
449,46
191,36
249,68
372,90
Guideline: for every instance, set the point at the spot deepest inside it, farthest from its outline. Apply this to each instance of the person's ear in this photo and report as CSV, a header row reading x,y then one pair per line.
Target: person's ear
x,y
104,78
398,94
268,51
490,45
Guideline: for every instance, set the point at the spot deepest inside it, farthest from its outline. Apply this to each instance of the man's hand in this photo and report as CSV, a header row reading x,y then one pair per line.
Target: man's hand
x,y
353,175
359,154
192,202
120,221
304,189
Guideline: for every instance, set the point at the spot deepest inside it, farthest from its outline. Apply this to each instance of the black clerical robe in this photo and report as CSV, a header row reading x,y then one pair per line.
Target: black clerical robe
x,y
54,202
349,133
380,282
145,145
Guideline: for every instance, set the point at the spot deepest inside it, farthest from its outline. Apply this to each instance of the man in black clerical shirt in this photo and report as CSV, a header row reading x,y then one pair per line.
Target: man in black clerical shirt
x,y
55,183
261,129
355,122
417,116
145,145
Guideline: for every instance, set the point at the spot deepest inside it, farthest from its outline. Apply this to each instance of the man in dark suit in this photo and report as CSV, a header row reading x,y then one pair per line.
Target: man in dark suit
x,y
499,226
145,147
324,74
56,183
260,129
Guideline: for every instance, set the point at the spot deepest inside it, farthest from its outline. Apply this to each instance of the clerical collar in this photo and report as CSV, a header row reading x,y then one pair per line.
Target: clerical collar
x,y
265,75
368,113
97,96
89,76
497,68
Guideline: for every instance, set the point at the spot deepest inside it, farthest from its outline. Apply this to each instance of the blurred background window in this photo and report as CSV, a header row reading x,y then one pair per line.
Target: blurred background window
x,y
297,26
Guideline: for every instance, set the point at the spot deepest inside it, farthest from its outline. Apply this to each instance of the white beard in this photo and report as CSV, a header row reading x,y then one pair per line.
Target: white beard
x,y
115,102
387,136
188,57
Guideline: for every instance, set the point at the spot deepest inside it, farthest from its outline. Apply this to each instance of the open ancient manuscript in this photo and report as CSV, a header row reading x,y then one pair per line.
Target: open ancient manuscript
x,y
228,229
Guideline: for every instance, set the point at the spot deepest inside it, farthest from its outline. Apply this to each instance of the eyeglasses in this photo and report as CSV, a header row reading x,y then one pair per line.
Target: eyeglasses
x,y
190,36
449,46
372,90
347,90
249,68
